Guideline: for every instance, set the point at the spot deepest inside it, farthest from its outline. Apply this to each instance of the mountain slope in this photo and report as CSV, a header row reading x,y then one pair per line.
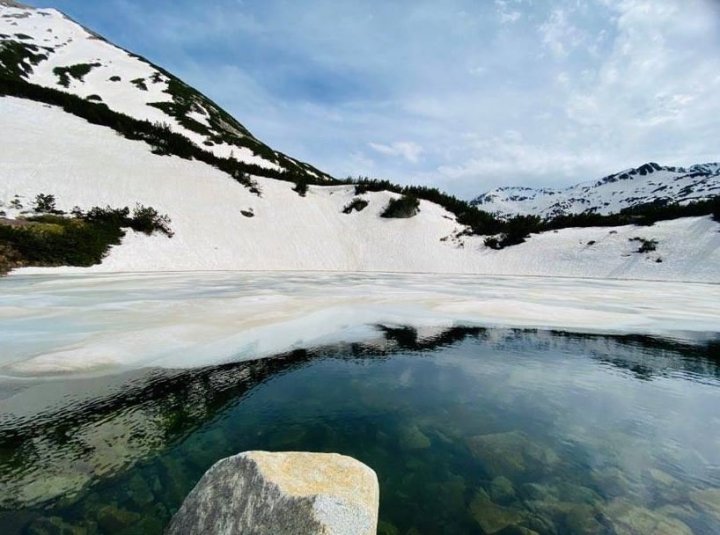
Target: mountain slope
x,y
49,151
69,147
46,48
648,183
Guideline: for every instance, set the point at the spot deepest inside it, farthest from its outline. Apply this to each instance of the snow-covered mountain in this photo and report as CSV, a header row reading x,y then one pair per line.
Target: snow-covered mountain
x,y
222,224
648,183
46,48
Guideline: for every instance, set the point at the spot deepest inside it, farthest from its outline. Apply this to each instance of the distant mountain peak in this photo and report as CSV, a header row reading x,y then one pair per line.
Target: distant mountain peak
x,y
650,182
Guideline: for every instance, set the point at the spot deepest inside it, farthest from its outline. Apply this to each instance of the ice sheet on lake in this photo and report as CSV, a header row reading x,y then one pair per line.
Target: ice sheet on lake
x,y
99,324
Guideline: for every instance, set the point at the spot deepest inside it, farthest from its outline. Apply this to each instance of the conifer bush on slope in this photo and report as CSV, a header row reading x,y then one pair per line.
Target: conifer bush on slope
x,y
356,205
402,208
81,239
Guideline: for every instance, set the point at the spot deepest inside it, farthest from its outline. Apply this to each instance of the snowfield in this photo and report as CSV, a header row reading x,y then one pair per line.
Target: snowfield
x,y
45,150
125,82
106,324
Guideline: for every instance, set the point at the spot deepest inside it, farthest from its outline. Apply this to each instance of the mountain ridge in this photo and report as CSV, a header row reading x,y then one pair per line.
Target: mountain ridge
x,y
649,183
45,47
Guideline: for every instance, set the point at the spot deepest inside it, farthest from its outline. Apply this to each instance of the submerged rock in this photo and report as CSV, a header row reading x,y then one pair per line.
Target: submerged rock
x,y
708,501
53,526
411,438
501,490
539,493
112,519
491,517
282,494
386,528
512,454
629,519
577,518
139,491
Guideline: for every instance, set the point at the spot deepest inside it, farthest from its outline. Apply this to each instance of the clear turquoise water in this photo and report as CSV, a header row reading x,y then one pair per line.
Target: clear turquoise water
x,y
469,430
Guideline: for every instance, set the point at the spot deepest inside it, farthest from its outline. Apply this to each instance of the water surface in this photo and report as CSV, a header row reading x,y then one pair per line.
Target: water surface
x,y
470,430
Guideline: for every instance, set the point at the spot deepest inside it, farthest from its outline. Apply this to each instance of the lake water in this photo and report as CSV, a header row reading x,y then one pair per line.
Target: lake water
x,y
470,429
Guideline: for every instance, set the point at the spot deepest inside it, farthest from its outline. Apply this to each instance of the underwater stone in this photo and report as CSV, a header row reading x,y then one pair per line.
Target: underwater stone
x,y
685,513
411,438
511,454
386,528
174,479
139,491
612,483
53,526
450,493
537,492
580,518
517,530
282,494
569,492
493,518
629,519
707,500
149,524
576,517
501,490
113,519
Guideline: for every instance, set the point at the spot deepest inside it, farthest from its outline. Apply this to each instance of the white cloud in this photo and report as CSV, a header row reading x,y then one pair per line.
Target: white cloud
x,y
559,35
657,73
507,11
510,16
405,149
498,159
465,95
647,91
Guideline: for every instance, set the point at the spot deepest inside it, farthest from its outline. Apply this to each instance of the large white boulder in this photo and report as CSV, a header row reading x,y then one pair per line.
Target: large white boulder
x,y
293,493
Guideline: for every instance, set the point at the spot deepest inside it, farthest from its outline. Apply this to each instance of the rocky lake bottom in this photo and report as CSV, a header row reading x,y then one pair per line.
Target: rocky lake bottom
x,y
470,430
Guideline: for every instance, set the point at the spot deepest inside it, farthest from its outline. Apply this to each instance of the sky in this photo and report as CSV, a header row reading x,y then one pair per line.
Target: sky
x,y
464,95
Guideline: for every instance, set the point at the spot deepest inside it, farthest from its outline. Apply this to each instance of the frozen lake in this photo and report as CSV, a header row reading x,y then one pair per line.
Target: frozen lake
x,y
105,324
